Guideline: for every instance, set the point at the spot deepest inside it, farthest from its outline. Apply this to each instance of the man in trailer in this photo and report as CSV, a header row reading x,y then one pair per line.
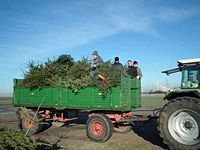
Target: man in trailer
x,y
97,62
137,70
117,64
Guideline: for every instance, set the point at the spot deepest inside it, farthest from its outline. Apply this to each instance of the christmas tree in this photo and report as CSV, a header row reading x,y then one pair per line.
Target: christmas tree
x,y
65,72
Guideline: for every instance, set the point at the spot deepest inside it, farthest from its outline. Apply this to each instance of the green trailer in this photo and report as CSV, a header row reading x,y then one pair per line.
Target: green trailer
x,y
53,104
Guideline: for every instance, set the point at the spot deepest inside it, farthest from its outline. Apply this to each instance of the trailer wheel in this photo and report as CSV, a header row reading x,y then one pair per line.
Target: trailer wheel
x,y
122,129
99,128
30,124
179,123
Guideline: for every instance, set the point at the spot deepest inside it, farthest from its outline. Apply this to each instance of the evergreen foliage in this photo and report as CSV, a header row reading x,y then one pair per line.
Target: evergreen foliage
x,y
64,72
13,140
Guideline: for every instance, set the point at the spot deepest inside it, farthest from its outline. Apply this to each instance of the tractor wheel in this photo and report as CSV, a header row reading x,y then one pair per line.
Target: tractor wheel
x,y
31,122
99,128
179,123
122,129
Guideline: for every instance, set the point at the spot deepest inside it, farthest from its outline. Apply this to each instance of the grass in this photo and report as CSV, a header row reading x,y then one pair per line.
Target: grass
x,y
5,100
151,101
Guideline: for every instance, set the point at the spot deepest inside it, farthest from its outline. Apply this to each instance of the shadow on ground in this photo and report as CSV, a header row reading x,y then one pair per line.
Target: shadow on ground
x,y
145,129
148,131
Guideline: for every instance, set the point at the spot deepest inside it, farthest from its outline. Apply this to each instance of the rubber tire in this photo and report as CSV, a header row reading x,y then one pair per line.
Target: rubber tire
x,y
175,104
38,126
108,126
122,129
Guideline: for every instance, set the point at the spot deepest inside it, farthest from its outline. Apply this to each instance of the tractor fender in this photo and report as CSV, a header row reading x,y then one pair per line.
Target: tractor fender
x,y
175,94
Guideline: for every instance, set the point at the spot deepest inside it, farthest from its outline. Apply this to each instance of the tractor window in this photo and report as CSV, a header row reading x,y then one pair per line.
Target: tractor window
x,y
190,78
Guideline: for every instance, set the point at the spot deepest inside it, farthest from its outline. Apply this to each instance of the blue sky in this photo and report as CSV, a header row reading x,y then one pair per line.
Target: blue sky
x,y
155,33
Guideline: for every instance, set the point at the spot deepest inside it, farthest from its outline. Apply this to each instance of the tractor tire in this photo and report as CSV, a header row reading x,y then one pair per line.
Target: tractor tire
x,y
99,128
179,123
31,125
122,129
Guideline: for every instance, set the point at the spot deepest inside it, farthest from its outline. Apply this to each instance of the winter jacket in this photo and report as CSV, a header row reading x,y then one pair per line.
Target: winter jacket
x,y
117,66
98,61
132,71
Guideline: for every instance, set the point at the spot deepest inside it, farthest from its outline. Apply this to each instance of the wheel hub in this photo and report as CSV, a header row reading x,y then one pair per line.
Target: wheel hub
x,y
97,128
188,125
29,123
184,126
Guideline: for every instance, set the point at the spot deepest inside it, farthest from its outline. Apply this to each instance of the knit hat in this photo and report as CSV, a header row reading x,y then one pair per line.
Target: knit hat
x,y
116,58
95,53
135,62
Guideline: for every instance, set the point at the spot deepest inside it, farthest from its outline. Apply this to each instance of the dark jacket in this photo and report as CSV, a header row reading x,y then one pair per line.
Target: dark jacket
x,y
117,66
132,71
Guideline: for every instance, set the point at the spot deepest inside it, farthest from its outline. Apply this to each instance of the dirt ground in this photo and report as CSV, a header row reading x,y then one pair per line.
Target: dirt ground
x,y
73,136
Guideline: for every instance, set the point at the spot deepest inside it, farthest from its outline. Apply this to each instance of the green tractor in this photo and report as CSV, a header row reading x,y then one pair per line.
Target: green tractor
x,y
179,121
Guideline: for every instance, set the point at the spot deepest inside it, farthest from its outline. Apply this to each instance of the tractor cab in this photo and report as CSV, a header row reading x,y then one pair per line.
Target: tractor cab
x,y
190,69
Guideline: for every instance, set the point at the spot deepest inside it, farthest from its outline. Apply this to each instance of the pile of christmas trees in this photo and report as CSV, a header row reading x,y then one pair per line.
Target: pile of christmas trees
x,y
65,72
